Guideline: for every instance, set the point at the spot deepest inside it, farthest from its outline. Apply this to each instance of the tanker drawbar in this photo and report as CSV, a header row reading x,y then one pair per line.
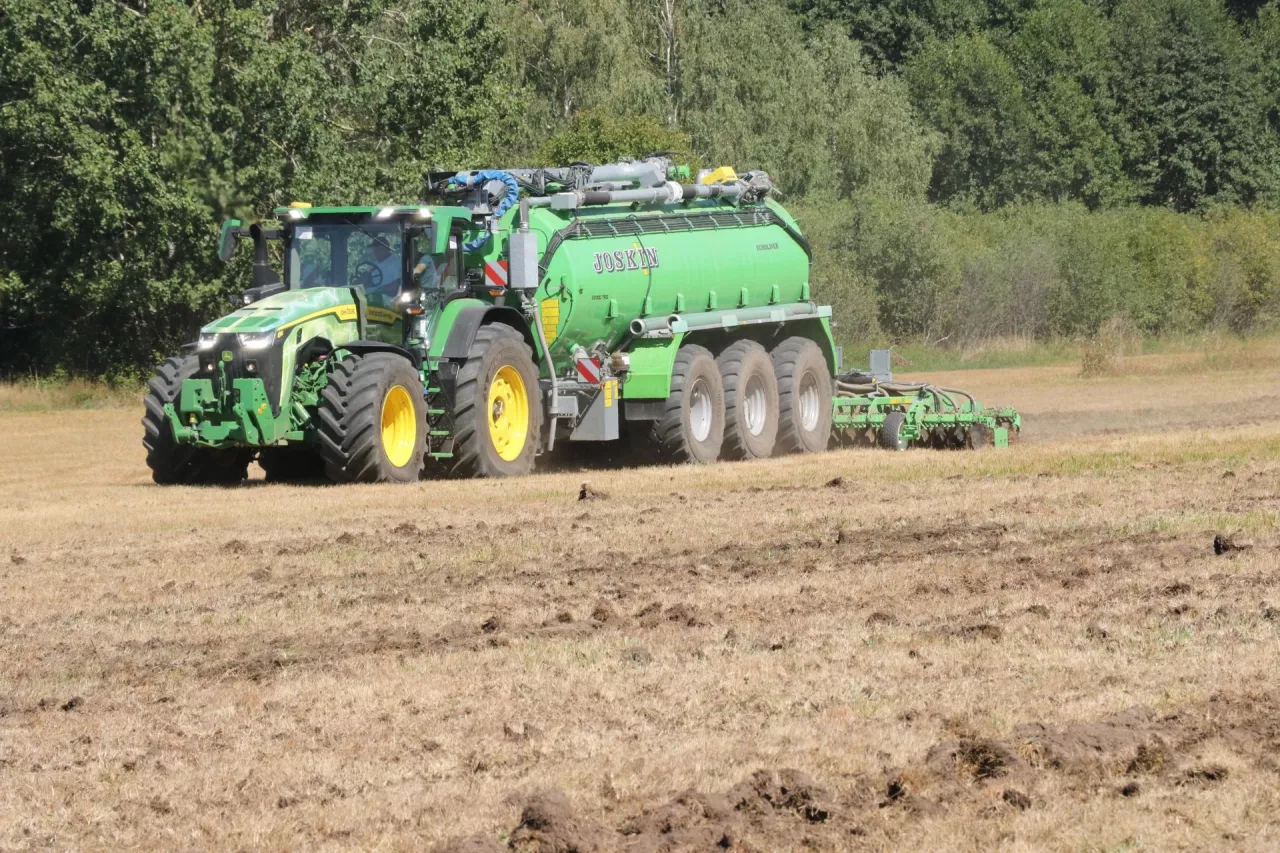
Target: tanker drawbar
x,y
514,310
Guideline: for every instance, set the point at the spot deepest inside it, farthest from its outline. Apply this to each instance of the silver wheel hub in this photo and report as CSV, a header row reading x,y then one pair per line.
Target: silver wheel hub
x,y
809,403
700,411
755,405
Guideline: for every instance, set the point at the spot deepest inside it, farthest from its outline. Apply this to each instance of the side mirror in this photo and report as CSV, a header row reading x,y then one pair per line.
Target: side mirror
x,y
231,234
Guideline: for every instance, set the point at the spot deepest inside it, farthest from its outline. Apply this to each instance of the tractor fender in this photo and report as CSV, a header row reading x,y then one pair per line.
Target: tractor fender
x,y
363,347
467,319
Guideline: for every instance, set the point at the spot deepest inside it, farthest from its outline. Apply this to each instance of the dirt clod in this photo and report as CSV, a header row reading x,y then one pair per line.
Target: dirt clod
x,y
982,630
1130,789
879,618
1038,610
586,493
492,625
71,704
835,482
261,574
978,758
1225,545
1016,798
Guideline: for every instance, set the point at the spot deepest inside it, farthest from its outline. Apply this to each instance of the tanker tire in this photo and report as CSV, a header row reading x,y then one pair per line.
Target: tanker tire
x,y
475,454
174,464
350,417
804,397
695,383
891,432
750,401
291,465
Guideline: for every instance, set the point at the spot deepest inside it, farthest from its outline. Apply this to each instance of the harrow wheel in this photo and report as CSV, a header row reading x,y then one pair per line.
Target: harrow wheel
x,y
174,464
373,421
891,432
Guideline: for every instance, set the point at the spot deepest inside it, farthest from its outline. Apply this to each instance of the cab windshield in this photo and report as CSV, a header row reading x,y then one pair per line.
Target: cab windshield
x,y
374,255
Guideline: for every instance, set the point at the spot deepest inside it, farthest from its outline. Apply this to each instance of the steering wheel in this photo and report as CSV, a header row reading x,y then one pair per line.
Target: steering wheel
x,y
368,275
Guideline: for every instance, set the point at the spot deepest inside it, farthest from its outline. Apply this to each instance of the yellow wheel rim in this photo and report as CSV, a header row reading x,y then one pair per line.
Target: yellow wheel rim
x,y
508,413
399,426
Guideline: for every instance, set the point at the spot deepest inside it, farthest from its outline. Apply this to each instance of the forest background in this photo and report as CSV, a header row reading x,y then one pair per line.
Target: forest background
x,y
967,170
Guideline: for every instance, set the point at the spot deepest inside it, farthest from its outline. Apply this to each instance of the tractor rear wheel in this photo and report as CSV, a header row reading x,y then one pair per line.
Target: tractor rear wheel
x,y
373,420
750,401
291,464
804,397
497,406
692,426
891,432
175,464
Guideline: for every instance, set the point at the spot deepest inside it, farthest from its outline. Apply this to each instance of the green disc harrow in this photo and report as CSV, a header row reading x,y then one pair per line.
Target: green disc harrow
x,y
897,415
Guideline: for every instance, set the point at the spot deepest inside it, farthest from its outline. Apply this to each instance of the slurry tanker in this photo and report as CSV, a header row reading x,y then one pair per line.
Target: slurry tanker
x,y
521,308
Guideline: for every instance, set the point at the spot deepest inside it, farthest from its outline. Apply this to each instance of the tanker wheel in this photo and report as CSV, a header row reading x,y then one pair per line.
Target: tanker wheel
x,y
804,397
291,464
750,401
175,464
373,420
891,432
497,407
692,426
979,436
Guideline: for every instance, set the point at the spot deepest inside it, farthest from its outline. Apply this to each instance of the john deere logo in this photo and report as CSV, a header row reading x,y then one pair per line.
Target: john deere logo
x,y
626,259
226,355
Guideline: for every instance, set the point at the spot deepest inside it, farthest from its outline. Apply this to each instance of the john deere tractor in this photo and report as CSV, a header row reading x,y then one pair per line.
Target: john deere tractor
x,y
516,308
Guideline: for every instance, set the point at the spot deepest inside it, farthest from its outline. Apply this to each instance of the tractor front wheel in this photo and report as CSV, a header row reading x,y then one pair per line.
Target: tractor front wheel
x,y
373,420
497,406
174,464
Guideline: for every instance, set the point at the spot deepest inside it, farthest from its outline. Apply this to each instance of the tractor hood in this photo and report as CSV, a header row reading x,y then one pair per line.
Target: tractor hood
x,y
283,311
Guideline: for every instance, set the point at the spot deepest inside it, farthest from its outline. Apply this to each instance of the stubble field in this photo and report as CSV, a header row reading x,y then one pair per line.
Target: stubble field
x,y
1035,648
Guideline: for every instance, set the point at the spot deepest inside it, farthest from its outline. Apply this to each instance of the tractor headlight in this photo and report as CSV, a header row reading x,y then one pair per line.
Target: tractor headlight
x,y
255,342
207,342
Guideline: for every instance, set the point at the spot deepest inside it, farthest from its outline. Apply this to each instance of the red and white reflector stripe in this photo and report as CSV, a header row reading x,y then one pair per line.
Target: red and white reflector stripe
x,y
589,369
496,273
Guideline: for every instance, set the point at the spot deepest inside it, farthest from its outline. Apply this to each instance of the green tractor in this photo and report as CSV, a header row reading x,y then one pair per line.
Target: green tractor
x,y
521,307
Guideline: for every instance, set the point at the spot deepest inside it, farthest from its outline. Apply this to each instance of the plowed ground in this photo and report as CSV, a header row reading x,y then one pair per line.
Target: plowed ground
x,y
1024,649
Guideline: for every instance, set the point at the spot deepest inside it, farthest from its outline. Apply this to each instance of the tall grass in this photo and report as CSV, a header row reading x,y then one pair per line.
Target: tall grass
x,y
43,394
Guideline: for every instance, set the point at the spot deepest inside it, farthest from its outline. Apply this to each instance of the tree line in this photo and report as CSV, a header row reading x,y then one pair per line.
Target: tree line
x,y
965,168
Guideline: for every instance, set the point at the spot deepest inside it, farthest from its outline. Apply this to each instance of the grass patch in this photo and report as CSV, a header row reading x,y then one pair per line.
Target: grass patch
x,y
45,395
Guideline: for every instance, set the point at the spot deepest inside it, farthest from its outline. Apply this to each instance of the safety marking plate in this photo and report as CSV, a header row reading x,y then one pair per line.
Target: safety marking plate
x,y
589,369
495,273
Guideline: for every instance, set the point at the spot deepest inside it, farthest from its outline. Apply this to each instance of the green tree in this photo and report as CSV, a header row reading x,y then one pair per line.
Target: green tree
x,y
1191,94
969,91
598,136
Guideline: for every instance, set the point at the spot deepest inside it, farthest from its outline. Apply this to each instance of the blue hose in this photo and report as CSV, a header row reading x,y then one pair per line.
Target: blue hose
x,y
484,176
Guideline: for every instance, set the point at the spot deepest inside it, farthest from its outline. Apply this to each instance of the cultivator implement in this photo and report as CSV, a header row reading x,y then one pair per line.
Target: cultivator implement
x,y
873,409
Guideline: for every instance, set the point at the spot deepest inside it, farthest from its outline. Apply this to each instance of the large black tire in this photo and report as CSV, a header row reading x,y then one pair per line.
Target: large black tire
x,y
291,464
692,426
891,432
804,397
174,464
750,401
373,420
497,436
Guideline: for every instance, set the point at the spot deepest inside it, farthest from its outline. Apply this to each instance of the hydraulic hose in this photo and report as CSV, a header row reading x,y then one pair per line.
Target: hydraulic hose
x,y
470,179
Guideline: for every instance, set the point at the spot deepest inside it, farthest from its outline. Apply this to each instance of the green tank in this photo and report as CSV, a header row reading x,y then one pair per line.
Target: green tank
x,y
512,310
